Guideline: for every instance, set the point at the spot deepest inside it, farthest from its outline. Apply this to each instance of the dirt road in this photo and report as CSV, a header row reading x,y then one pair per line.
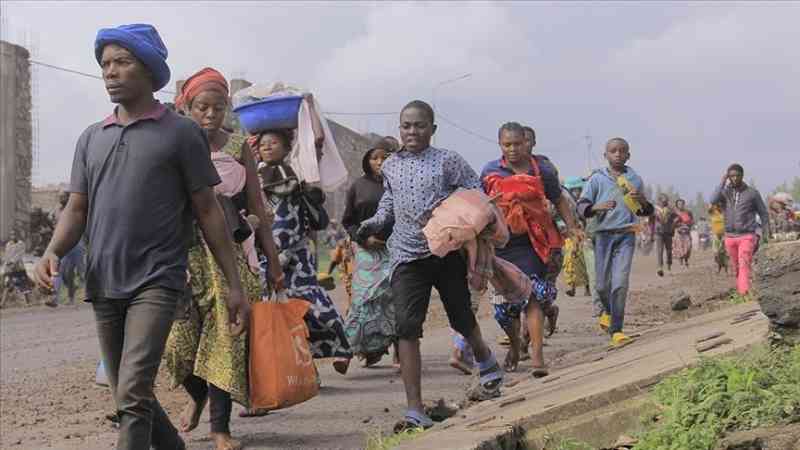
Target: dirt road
x,y
48,398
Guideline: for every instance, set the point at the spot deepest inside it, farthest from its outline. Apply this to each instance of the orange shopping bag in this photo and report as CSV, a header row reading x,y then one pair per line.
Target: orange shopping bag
x,y
282,371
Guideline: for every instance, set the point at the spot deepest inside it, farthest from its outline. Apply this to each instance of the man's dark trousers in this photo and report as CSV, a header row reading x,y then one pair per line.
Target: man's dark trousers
x,y
133,333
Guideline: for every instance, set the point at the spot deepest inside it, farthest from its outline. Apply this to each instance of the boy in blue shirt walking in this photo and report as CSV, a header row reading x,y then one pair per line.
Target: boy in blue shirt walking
x,y
614,197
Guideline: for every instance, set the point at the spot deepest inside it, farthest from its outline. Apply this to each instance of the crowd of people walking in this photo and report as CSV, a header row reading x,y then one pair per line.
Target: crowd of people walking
x,y
173,264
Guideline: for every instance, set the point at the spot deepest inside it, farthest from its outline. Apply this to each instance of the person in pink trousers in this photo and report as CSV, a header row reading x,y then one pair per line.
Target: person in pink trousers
x,y
741,204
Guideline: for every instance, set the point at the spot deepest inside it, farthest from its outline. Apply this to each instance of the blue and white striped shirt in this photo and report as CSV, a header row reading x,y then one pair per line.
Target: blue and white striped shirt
x,y
415,184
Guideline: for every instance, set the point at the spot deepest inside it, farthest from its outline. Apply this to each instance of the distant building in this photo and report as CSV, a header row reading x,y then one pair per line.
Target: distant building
x,y
352,146
15,141
46,197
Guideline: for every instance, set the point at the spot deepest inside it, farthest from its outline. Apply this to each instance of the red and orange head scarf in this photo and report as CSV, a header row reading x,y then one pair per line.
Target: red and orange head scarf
x,y
206,79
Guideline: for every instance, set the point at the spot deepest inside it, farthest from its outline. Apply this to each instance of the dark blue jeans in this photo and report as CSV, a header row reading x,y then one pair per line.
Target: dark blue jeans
x,y
133,333
613,253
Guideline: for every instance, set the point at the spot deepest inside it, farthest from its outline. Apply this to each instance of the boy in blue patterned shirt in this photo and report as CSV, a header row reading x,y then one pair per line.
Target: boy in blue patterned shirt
x,y
416,179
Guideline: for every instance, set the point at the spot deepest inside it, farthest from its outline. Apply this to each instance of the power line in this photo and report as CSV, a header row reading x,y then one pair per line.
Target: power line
x,y
571,142
331,113
64,69
493,141
97,77
465,130
78,72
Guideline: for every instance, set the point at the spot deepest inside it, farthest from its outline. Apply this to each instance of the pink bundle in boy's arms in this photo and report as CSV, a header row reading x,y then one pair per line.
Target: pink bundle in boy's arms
x,y
461,218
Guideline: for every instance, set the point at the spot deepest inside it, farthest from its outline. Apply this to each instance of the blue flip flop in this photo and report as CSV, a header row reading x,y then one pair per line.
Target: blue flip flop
x,y
413,420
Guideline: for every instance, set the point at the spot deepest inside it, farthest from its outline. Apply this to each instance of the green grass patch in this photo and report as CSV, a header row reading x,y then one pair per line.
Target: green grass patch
x,y
756,389
378,441
737,299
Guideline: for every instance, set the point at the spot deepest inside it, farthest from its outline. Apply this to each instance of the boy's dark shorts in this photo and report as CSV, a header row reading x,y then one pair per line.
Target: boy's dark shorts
x,y
411,288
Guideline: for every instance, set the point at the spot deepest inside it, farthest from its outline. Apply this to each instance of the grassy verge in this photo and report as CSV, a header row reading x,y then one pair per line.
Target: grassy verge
x,y
737,298
755,389
378,441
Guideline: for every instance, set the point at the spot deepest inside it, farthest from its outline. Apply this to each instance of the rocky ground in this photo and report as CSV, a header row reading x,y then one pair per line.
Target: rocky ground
x,y
786,437
777,289
48,399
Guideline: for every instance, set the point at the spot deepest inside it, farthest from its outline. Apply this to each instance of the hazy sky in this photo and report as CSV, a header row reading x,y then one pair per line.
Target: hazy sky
x,y
692,86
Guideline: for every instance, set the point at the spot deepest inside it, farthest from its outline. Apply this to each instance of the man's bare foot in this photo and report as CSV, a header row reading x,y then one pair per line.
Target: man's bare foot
x,y
537,359
457,362
190,417
540,372
224,441
512,360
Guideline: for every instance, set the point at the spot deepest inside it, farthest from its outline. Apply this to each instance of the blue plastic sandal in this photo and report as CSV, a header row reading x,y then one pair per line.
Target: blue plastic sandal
x,y
491,376
413,420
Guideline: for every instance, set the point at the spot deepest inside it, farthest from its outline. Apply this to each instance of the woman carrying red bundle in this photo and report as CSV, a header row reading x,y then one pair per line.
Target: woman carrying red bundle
x,y
524,184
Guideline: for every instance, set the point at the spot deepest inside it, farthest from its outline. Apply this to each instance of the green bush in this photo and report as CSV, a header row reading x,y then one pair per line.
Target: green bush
x,y
756,389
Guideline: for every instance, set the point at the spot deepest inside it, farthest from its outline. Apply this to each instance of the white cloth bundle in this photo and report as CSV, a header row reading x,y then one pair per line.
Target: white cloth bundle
x,y
330,171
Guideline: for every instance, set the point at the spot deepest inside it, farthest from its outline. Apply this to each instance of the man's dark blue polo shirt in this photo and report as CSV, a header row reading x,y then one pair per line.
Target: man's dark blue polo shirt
x,y
139,179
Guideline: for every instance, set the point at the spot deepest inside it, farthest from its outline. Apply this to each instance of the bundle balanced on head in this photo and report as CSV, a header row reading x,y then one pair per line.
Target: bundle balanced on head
x,y
298,214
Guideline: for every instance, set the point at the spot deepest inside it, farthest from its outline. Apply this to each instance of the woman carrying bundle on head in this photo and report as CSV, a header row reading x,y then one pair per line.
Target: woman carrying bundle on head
x,y
298,209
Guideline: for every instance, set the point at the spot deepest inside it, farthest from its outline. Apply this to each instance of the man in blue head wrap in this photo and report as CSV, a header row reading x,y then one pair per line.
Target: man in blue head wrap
x,y
141,41
147,171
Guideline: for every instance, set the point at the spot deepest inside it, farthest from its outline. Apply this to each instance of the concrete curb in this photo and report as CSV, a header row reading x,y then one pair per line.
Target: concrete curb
x,y
610,378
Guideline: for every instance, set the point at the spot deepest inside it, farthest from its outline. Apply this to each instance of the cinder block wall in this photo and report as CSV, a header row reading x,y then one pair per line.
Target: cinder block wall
x,y
15,141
